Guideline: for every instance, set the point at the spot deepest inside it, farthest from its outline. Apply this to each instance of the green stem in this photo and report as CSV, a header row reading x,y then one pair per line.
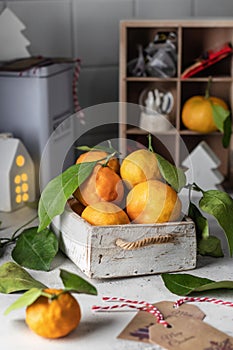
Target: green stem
x,y
207,91
4,241
195,187
14,237
48,295
189,187
7,241
53,296
109,157
150,148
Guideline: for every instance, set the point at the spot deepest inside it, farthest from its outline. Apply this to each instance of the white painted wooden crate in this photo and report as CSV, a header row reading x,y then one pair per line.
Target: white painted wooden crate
x,y
126,250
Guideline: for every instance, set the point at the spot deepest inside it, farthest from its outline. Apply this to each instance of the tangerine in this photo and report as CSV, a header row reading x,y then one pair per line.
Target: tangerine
x,y
152,202
53,317
103,184
197,113
105,213
139,166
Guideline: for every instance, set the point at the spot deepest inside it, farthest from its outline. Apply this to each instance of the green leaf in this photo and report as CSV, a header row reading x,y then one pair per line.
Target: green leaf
x,y
227,132
53,198
76,284
220,205
35,250
185,284
220,114
109,149
173,175
24,300
85,148
206,244
222,120
14,278
210,246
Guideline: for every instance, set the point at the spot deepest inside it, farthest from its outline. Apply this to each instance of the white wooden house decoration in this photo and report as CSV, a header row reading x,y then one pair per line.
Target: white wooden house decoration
x,y
17,174
13,44
202,164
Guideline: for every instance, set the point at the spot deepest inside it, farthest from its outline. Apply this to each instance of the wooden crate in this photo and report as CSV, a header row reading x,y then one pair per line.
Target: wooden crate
x,y
126,250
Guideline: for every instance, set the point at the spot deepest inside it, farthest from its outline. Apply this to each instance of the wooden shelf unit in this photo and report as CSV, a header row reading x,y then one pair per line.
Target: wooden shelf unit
x,y
193,38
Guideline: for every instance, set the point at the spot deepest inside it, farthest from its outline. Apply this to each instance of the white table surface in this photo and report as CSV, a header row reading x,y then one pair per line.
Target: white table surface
x,y
100,330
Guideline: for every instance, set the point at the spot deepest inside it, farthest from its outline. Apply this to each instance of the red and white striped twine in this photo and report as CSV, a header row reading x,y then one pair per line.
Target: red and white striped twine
x,y
77,107
145,306
133,304
203,299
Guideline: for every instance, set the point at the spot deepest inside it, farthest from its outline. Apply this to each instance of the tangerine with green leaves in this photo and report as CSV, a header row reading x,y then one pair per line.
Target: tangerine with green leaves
x,y
198,111
53,317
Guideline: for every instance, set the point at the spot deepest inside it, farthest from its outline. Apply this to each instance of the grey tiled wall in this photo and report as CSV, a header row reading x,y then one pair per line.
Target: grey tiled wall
x,y
160,9
212,8
89,29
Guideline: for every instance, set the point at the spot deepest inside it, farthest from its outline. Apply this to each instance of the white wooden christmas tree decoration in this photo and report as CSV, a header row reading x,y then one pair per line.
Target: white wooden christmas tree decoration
x,y
13,44
202,164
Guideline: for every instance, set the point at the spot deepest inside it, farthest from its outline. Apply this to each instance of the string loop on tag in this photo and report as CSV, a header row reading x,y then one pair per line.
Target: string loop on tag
x,y
133,304
202,299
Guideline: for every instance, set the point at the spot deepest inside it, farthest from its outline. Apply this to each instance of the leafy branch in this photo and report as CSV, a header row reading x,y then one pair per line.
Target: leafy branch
x,y
14,278
5,241
30,249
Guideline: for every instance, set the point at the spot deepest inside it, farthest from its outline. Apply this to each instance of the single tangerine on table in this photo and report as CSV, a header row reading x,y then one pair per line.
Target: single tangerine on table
x,y
56,317
153,202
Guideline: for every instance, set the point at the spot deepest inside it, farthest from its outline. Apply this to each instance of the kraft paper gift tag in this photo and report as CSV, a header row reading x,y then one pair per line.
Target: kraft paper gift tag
x,y
138,328
187,333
